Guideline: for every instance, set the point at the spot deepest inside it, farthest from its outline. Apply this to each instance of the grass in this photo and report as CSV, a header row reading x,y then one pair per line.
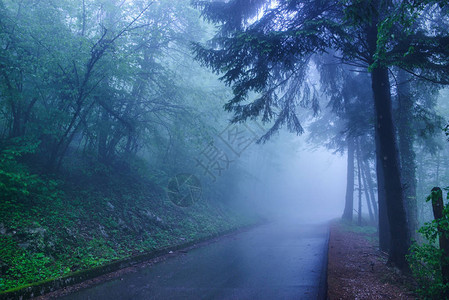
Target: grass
x,y
368,232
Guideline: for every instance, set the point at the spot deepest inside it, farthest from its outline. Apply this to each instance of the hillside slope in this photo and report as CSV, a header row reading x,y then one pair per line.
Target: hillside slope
x,y
97,220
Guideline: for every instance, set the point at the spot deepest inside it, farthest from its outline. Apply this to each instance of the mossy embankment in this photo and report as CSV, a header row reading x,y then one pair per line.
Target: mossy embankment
x,y
95,221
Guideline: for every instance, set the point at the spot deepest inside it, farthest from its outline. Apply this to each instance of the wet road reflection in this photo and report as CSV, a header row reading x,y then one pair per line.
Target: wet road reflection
x,y
284,260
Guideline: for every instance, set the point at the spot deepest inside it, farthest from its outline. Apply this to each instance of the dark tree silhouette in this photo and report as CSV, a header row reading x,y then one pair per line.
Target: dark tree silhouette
x,y
265,47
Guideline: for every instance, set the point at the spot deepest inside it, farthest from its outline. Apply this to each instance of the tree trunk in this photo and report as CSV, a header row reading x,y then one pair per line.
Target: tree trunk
x,y
384,224
368,182
389,162
367,196
359,215
103,137
406,151
438,169
349,203
359,181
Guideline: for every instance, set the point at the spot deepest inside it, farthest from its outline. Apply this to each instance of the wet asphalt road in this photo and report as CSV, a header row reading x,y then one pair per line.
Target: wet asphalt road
x,y
274,261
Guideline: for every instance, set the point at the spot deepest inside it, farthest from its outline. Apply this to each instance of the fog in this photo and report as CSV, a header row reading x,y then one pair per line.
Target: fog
x,y
129,126
293,180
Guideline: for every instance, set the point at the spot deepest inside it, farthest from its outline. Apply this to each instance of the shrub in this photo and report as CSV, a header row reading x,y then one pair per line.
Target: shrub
x,y
426,259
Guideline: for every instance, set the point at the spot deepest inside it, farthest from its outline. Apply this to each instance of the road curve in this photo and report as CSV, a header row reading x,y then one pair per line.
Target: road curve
x,y
284,260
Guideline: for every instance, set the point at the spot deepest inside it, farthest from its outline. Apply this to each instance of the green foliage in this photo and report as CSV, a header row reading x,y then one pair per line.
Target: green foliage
x,y
21,191
117,82
405,40
92,224
99,94
24,267
257,54
425,259
16,181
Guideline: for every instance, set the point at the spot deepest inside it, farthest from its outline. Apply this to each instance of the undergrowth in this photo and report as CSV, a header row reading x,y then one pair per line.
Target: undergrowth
x,y
50,228
426,259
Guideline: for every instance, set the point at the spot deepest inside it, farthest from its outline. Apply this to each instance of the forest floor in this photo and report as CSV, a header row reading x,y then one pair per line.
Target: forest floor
x,y
357,268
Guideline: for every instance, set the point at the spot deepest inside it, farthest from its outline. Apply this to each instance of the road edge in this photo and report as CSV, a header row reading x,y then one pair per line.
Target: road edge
x,y
41,288
322,293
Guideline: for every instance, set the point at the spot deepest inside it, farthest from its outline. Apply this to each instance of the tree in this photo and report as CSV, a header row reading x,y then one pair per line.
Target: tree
x,y
417,122
53,81
265,47
97,79
347,92
349,198
407,154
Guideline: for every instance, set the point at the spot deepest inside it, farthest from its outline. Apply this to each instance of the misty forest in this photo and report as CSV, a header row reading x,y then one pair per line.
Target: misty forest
x,y
133,129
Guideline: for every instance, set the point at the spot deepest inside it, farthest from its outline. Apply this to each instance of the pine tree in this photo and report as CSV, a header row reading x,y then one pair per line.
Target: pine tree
x,y
266,46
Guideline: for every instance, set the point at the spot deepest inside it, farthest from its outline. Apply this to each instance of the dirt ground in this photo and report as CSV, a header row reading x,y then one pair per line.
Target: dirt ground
x,y
358,270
